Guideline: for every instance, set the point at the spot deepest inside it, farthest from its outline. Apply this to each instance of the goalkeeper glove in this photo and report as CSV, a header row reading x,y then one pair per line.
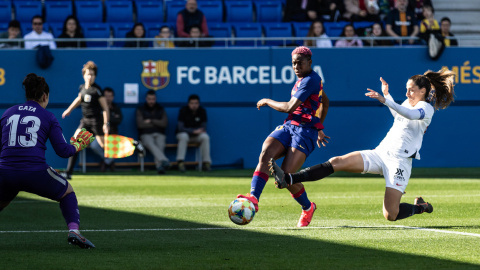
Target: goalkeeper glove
x,y
83,139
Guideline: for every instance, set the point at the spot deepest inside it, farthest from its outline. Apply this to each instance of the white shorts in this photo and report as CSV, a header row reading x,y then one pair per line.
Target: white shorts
x,y
396,170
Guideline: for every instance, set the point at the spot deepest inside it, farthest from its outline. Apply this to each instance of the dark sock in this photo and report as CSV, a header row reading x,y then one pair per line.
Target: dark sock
x,y
407,210
69,207
313,173
71,163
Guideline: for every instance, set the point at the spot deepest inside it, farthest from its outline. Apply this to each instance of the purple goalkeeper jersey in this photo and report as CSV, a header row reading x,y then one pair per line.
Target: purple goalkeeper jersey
x,y
25,129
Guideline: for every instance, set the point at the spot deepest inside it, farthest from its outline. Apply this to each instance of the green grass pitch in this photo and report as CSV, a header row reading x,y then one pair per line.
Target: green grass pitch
x,y
179,221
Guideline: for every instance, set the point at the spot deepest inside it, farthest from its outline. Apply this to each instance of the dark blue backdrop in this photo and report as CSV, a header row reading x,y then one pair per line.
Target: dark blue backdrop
x,y
230,82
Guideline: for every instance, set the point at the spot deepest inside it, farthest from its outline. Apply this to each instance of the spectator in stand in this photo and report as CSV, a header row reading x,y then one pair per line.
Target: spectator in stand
x,y
192,128
189,17
115,120
376,32
361,10
13,32
299,11
401,22
429,24
328,10
152,122
71,29
317,30
195,33
349,32
137,32
445,24
165,32
385,7
38,33
416,6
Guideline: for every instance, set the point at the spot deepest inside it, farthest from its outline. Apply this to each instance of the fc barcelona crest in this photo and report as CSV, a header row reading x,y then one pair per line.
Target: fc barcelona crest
x,y
155,74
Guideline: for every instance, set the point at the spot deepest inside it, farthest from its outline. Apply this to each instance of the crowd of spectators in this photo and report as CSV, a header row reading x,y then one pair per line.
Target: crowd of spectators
x,y
407,20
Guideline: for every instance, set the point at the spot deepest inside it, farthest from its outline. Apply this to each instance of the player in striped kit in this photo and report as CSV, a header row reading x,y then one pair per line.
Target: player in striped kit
x,y
25,129
393,157
296,138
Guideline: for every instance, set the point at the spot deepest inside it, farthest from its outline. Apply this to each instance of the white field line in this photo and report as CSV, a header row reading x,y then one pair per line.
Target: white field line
x,y
252,228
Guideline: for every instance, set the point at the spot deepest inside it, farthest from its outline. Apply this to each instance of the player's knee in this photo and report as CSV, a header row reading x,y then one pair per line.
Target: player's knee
x,y
390,215
182,136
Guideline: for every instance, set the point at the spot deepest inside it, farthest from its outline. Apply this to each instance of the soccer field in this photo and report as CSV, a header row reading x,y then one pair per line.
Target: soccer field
x,y
179,221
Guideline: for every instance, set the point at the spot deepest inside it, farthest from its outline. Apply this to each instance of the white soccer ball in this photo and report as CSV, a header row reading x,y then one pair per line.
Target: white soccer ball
x,y
241,211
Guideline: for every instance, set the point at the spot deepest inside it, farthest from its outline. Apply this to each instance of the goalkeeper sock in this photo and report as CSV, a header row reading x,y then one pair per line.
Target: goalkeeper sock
x,y
407,210
302,198
70,212
259,180
313,173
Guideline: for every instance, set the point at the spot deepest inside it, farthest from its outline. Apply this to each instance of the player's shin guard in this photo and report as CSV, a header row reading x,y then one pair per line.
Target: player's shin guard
x,y
259,180
313,173
407,210
302,198
70,212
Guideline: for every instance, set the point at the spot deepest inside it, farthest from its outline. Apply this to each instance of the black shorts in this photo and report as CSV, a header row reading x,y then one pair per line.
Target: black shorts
x,y
93,125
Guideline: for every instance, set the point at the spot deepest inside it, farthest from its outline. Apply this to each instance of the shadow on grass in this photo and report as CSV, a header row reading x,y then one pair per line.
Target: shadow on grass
x,y
447,173
163,243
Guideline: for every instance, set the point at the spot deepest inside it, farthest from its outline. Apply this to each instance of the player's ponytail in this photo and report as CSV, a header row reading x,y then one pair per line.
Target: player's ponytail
x,y
442,82
35,86
438,85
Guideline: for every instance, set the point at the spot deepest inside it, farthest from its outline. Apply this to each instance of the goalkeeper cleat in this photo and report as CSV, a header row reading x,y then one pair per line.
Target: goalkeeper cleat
x,y
251,198
66,175
426,207
278,173
306,216
139,146
78,240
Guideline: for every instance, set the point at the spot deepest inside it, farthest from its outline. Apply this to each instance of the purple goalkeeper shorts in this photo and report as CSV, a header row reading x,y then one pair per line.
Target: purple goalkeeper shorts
x,y
47,183
301,138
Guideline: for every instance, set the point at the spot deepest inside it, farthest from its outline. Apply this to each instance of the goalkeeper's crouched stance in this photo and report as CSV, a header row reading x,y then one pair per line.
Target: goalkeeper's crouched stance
x,y
25,129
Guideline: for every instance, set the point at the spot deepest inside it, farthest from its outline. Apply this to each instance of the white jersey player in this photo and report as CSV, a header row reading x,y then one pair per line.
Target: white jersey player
x,y
393,156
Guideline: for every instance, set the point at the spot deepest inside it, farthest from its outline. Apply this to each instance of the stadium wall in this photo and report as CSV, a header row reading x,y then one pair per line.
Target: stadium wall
x,y
230,82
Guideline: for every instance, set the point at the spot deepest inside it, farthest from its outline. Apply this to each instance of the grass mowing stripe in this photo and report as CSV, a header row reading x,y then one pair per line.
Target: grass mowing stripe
x,y
253,228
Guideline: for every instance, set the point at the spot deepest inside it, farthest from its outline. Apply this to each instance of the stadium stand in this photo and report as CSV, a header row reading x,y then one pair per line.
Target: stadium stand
x,y
238,11
26,27
119,30
5,12
149,11
118,11
172,9
96,30
57,11
301,28
152,29
56,29
268,11
3,27
334,29
277,30
89,11
220,30
25,10
213,10
247,30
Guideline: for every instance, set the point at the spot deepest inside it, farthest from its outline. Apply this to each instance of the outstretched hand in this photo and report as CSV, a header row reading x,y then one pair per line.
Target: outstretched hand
x,y
375,95
384,87
322,139
83,139
262,102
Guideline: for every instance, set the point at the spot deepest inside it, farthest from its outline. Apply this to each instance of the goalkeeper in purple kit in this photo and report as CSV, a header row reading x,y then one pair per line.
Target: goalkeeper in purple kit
x,y
25,129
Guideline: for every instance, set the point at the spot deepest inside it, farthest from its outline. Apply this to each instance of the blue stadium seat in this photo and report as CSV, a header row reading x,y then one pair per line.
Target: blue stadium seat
x,y
247,30
25,10
149,11
119,31
238,11
5,12
334,29
220,30
3,27
57,11
89,11
56,29
96,30
118,11
362,24
301,28
277,30
213,10
172,9
269,11
153,29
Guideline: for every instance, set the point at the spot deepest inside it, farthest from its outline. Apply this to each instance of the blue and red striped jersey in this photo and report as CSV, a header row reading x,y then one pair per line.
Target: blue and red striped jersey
x,y
309,90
